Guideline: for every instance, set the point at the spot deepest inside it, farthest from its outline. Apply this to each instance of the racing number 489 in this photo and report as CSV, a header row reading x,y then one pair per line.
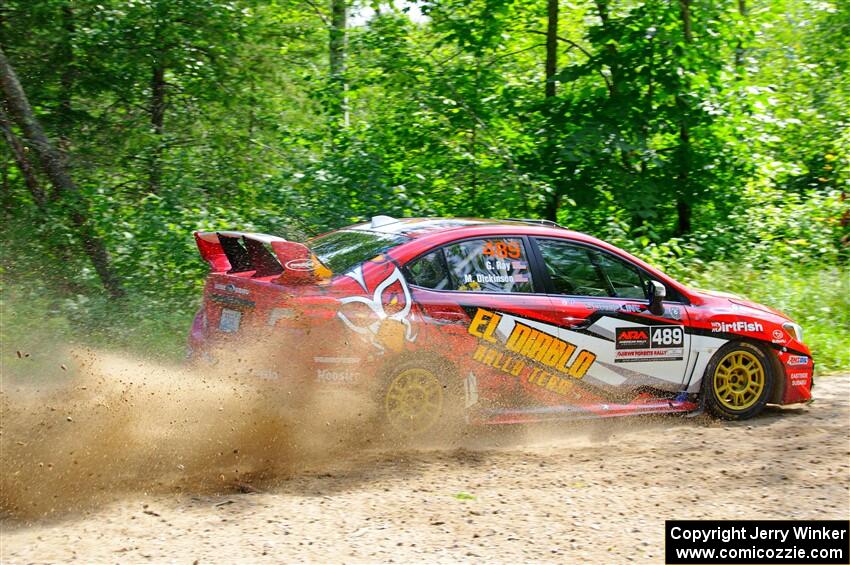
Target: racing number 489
x,y
671,335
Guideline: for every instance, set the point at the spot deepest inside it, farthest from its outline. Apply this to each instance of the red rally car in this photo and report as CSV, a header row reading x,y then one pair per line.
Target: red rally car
x,y
502,321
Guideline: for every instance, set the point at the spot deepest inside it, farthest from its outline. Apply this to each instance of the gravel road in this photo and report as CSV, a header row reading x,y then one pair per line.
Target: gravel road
x,y
570,493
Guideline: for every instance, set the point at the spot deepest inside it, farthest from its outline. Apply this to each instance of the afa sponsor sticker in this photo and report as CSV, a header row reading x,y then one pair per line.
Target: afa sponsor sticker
x,y
649,343
798,360
632,338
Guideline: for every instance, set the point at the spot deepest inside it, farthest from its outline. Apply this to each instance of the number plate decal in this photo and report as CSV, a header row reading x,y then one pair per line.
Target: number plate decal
x,y
667,336
649,343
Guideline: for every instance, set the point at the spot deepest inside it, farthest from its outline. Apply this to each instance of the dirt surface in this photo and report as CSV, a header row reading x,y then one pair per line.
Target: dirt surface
x,y
589,493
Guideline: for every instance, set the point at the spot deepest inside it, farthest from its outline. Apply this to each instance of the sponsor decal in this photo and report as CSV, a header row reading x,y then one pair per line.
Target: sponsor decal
x,y
266,374
231,288
649,343
554,383
306,264
526,344
672,312
601,306
799,379
610,306
798,360
737,327
335,376
632,338
492,357
778,336
232,300
383,318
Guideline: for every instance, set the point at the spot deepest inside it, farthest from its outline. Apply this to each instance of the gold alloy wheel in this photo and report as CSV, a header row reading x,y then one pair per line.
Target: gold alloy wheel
x,y
414,401
739,380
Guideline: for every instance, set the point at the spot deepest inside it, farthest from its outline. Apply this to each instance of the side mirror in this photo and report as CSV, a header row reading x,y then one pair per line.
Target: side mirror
x,y
656,292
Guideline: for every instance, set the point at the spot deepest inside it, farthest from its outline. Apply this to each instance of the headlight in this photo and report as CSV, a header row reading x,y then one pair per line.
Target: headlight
x,y
794,330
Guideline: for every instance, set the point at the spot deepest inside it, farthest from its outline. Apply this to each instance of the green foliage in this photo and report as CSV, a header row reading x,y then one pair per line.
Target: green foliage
x,y
741,125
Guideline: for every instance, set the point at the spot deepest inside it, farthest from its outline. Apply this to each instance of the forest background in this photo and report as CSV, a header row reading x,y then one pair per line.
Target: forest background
x,y
709,137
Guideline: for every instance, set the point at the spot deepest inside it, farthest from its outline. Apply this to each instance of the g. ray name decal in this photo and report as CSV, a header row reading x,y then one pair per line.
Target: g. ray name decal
x,y
525,345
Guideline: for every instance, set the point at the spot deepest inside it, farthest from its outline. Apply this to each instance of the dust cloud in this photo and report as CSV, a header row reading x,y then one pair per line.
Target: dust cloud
x,y
116,425
107,426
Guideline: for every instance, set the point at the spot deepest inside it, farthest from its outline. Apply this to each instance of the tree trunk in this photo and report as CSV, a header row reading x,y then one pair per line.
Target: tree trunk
x,y
54,168
683,206
66,80
551,46
19,154
551,69
739,48
683,192
157,111
336,59
552,207
602,8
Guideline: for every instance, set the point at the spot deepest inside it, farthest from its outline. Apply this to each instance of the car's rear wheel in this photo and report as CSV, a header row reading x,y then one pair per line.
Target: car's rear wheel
x,y
421,396
739,381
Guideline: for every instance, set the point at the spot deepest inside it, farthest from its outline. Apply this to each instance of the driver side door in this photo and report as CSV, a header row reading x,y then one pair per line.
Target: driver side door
x,y
601,303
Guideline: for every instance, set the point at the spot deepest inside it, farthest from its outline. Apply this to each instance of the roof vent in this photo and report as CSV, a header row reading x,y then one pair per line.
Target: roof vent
x,y
381,221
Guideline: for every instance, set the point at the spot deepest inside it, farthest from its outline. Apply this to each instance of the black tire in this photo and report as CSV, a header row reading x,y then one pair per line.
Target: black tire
x,y
738,381
421,397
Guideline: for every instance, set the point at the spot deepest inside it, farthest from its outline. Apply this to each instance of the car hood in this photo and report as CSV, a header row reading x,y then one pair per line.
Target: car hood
x,y
717,296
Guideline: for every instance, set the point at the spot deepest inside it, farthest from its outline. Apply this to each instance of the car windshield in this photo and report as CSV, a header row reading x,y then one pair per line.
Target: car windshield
x,y
343,249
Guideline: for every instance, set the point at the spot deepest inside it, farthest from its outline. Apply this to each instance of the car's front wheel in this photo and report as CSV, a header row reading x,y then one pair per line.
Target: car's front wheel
x,y
739,381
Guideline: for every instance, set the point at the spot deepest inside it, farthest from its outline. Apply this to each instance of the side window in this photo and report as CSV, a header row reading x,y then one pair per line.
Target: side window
x,y
581,271
429,271
623,277
571,269
496,264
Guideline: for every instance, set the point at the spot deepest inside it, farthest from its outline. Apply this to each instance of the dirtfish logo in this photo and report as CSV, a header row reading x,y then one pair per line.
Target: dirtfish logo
x,y
736,327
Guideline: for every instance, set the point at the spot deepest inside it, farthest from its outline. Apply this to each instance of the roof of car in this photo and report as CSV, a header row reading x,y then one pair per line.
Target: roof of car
x,y
417,227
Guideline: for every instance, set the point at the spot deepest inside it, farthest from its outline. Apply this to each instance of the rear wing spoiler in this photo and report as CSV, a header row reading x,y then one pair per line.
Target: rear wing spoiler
x,y
231,252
